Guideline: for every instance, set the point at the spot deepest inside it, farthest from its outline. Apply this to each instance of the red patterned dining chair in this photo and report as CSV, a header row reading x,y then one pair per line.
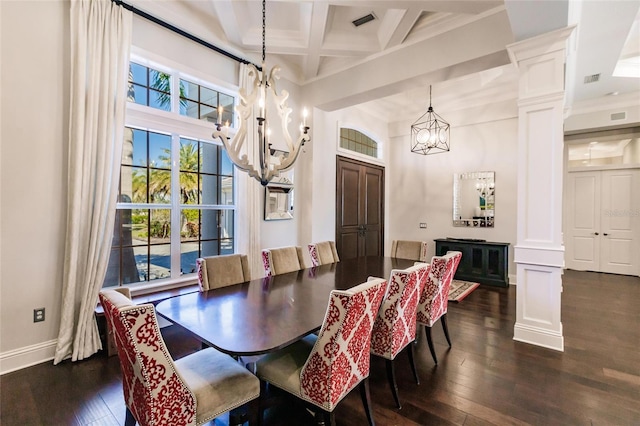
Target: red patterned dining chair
x,y
414,250
321,370
160,391
435,296
323,253
221,271
395,325
282,260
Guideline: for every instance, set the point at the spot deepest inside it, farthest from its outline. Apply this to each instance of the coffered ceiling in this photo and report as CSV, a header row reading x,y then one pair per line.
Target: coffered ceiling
x,y
411,44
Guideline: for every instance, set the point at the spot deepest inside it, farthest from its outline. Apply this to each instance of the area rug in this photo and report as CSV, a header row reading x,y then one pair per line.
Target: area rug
x,y
461,289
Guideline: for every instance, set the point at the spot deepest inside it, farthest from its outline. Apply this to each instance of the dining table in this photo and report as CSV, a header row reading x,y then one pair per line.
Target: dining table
x,y
267,314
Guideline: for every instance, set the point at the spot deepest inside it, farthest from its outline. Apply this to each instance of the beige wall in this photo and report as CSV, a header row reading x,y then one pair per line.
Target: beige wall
x,y
422,186
34,94
34,114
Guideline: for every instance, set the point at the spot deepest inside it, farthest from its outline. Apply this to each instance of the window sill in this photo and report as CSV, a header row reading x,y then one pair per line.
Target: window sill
x,y
156,293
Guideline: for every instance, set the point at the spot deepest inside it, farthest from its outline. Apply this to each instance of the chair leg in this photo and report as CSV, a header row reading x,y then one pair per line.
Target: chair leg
x,y
443,319
391,375
427,330
366,400
329,418
413,363
262,401
129,420
254,416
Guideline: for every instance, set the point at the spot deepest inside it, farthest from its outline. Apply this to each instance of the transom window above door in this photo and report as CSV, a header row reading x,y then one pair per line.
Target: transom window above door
x,y
356,141
611,148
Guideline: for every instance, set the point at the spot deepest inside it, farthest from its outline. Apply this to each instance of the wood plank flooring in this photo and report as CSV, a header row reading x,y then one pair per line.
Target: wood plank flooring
x,y
486,378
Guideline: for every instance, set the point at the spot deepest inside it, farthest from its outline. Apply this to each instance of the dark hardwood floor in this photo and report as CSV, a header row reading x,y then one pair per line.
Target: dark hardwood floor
x,y
486,378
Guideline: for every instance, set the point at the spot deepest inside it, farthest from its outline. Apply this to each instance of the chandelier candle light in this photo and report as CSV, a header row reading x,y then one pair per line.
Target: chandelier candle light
x,y
272,161
430,133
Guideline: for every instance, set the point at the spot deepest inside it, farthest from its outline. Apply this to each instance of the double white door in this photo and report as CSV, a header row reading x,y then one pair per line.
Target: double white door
x,y
602,222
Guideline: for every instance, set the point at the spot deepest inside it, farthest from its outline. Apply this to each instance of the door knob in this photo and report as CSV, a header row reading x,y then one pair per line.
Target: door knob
x,y
595,233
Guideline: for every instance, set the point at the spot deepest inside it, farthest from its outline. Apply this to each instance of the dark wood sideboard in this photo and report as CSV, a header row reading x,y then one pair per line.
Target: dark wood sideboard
x,y
482,261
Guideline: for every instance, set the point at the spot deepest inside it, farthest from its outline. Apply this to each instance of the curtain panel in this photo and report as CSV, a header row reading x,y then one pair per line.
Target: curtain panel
x,y
100,46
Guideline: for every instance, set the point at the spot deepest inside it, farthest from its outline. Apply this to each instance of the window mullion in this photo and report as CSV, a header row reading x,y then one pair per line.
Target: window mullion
x,y
175,206
175,93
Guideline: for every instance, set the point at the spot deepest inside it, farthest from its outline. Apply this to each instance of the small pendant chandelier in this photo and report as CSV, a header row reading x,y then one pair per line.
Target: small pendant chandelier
x,y
272,161
429,133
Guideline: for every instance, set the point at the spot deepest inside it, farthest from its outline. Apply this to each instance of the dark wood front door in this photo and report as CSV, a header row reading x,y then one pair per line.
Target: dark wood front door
x,y
359,209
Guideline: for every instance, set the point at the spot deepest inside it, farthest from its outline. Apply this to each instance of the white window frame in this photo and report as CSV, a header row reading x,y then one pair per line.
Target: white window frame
x,y
178,126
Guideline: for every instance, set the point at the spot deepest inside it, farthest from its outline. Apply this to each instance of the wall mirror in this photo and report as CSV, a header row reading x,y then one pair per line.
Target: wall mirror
x,y
278,199
474,199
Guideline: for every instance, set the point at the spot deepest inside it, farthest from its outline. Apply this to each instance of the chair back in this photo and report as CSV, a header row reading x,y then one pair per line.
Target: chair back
x,y
339,360
278,261
414,250
153,390
221,271
323,253
395,325
434,300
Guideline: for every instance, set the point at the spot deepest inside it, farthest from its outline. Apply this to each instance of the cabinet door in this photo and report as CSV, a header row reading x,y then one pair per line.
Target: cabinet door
x,y
496,258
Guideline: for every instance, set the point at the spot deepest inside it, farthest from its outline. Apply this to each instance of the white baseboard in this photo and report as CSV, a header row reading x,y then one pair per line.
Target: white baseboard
x,y
27,356
512,279
540,337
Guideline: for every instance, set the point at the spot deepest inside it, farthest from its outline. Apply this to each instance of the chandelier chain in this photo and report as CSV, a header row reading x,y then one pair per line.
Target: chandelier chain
x,y
264,19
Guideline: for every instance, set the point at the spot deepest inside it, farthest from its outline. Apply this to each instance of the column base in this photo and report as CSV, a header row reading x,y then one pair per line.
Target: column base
x,y
539,336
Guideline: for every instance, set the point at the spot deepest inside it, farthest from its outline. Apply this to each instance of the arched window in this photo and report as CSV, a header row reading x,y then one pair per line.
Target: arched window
x,y
356,141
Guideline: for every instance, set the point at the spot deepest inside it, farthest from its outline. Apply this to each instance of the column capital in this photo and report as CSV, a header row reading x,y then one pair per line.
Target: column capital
x,y
542,44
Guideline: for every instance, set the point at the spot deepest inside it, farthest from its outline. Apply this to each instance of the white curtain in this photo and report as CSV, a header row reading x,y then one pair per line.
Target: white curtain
x,y
100,45
249,206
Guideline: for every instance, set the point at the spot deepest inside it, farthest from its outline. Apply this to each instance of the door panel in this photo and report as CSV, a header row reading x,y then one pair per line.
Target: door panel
x,y
373,192
583,245
619,223
603,233
348,244
350,185
373,244
359,209
373,213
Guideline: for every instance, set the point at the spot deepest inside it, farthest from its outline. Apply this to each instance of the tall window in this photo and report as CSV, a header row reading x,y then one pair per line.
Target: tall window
x,y
176,194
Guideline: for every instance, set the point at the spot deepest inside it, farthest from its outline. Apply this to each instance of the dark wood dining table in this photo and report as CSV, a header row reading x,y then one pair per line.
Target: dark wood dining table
x,y
267,314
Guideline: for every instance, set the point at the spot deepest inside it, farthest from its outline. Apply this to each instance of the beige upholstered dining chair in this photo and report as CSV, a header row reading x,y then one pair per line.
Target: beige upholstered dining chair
x,y
434,300
281,260
221,271
323,369
323,253
414,250
192,390
395,325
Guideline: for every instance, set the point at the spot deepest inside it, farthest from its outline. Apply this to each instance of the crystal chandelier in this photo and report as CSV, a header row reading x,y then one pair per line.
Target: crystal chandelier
x,y
429,133
271,161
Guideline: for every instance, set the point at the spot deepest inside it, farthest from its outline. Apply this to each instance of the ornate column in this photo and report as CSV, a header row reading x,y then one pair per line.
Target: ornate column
x,y
539,250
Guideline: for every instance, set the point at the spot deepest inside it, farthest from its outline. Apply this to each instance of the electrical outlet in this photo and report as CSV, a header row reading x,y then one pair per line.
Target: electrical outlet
x,y
38,315
423,225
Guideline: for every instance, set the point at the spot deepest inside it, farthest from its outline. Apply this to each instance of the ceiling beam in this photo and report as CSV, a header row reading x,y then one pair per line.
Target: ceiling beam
x,y
451,6
316,37
478,46
396,25
227,18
